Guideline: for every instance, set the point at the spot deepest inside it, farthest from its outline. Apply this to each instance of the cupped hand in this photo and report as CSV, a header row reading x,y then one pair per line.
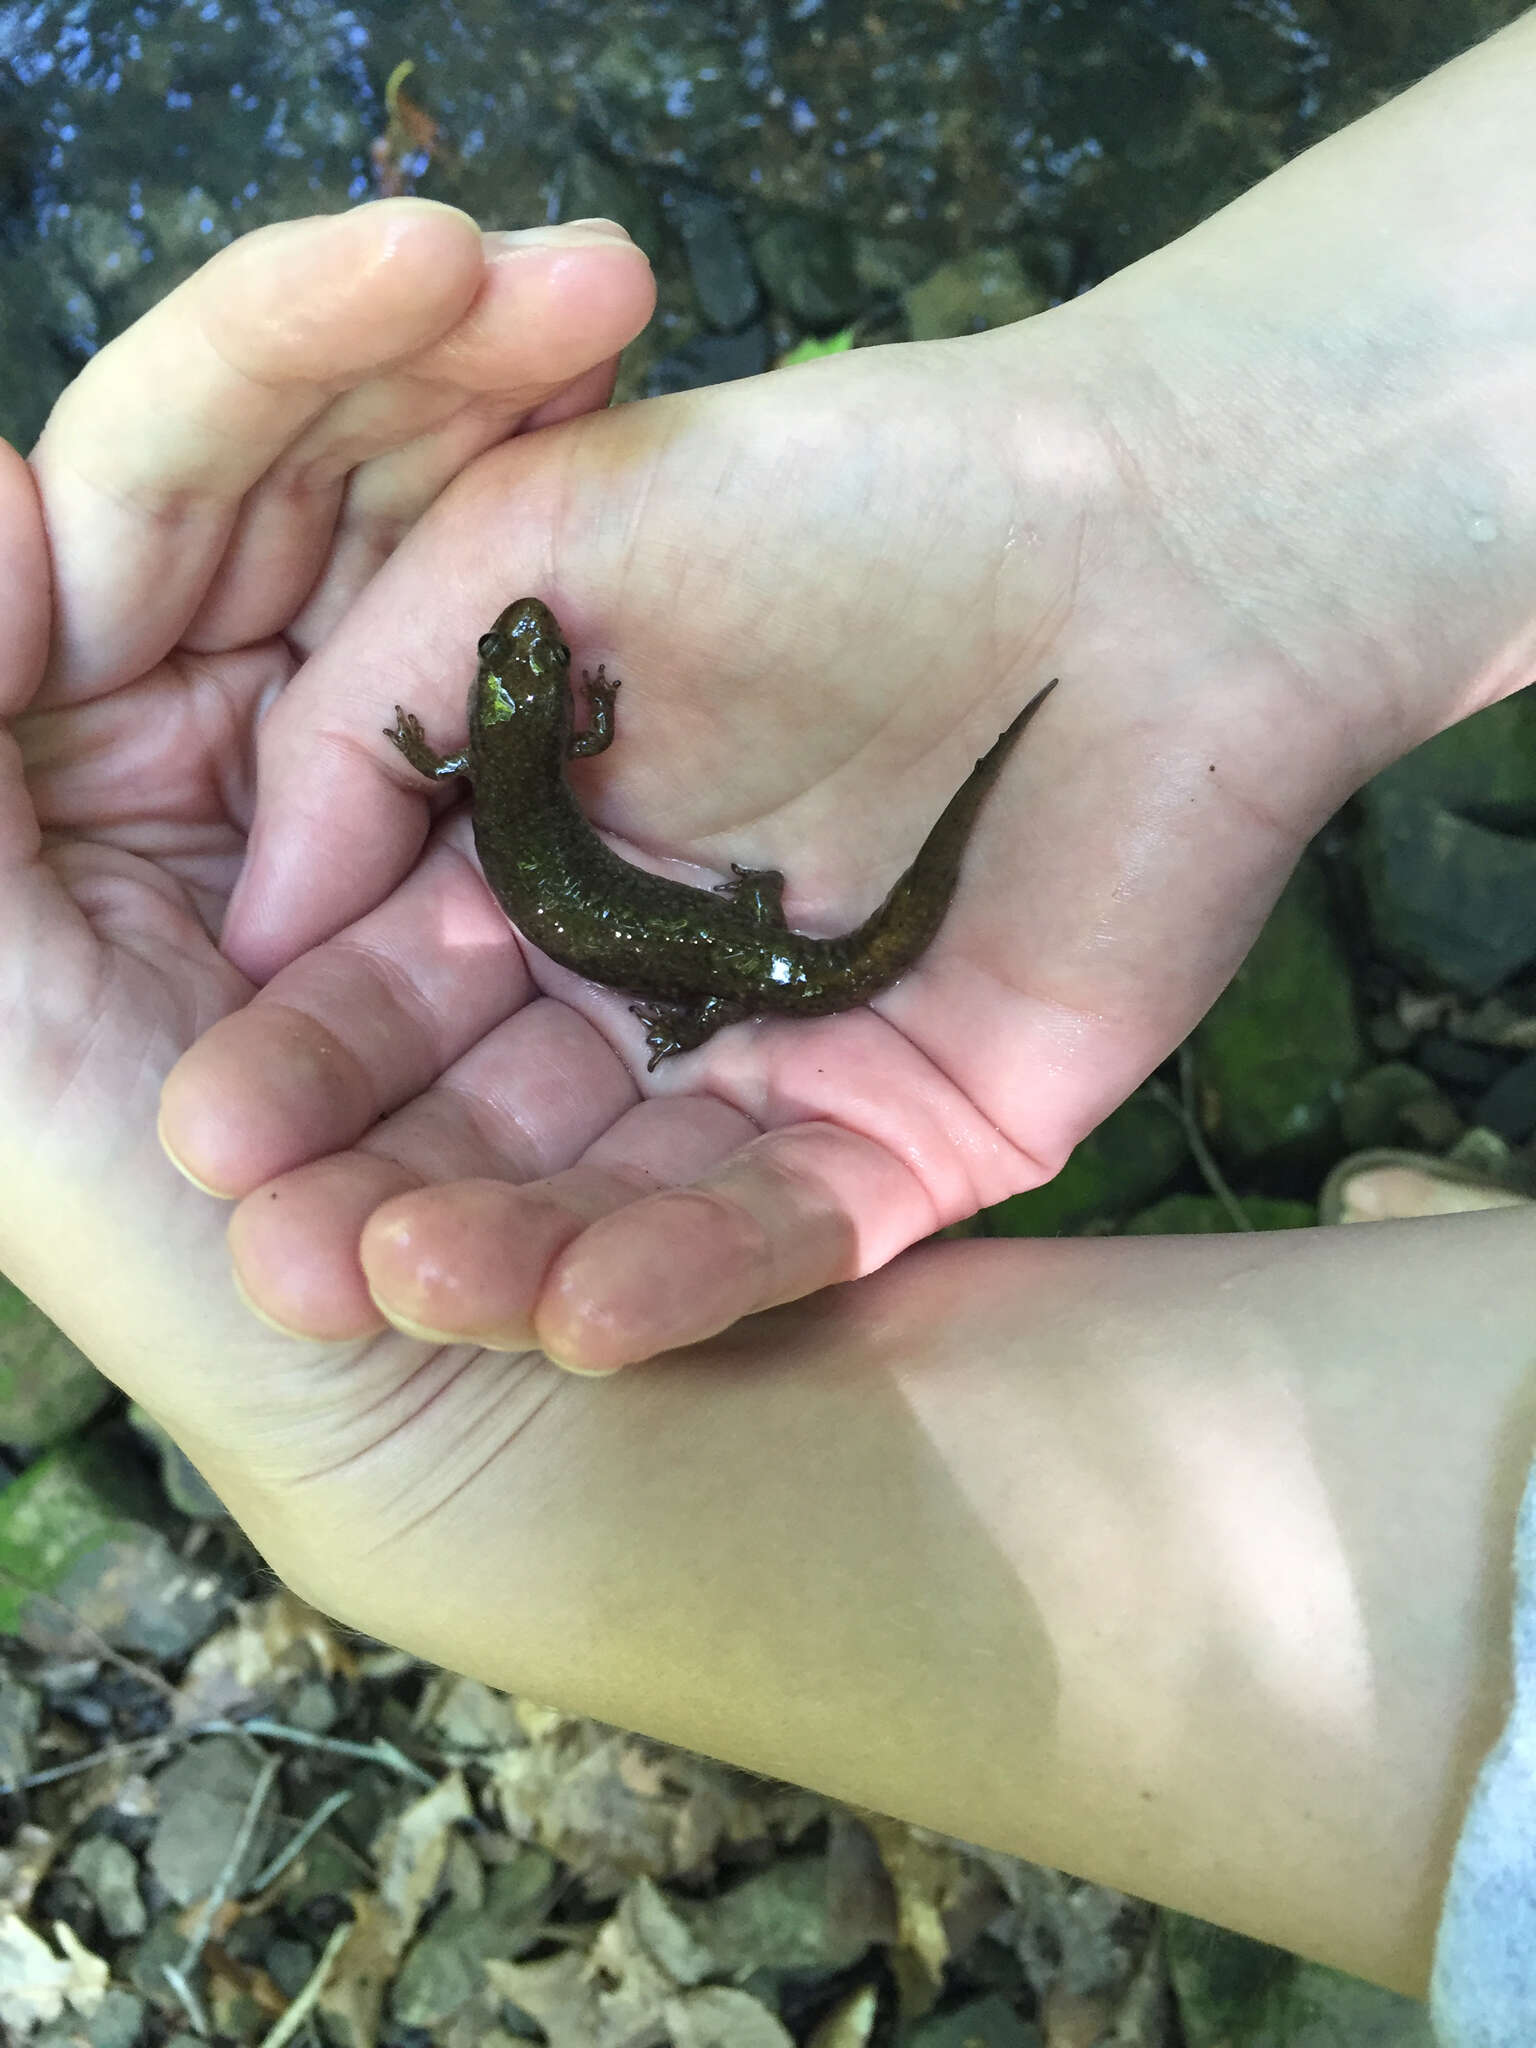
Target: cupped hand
x,y
826,591
206,501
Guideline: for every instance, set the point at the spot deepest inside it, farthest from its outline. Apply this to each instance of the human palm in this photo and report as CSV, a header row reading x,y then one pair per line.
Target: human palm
x,y
205,503
826,592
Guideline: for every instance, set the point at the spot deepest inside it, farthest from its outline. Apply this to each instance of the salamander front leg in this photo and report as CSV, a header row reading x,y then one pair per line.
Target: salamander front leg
x,y
671,1028
598,736
409,737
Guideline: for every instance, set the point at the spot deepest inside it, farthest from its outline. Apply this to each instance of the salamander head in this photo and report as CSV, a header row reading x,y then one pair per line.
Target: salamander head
x,y
523,666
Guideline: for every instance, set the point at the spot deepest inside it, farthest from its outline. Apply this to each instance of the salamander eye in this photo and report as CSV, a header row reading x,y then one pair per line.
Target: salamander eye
x,y
488,647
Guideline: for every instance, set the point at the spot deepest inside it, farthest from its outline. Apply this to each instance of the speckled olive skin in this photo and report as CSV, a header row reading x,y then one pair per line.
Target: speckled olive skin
x,y
704,957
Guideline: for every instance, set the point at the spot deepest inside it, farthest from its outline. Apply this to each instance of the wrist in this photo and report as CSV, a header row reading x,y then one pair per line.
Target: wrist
x,y
1325,397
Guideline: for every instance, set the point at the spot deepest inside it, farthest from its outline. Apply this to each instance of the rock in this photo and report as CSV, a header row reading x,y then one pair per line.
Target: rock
x,y
806,263
1371,1106
166,1942
78,1540
724,282
1448,899
1509,1107
987,288
775,1920
1198,1215
1282,1041
1137,1150
1483,768
1457,1063
290,1964
710,359
48,1387
104,245
445,1966
886,266
1236,1993
595,187
110,1873
989,2022
720,2016
203,1796
185,1487
118,2022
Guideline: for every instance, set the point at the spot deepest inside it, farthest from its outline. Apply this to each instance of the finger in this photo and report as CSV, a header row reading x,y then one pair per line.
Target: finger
x,y
23,651
141,498
795,1211
554,307
324,1249
348,1033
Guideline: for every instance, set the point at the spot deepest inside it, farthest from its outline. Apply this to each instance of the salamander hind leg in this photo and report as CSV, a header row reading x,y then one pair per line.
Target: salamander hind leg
x,y
671,1028
757,891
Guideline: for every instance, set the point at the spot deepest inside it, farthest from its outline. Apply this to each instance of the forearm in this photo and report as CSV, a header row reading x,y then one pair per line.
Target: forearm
x,y
1327,394
1180,1564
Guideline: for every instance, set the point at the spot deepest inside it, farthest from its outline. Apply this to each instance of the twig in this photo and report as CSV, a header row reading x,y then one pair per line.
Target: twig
x,y
311,1828
283,2032
190,2002
105,1755
376,1752
1182,1106
379,1751
224,1883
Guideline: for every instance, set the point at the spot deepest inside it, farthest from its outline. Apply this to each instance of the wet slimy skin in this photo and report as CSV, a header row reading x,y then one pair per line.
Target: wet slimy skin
x,y
702,958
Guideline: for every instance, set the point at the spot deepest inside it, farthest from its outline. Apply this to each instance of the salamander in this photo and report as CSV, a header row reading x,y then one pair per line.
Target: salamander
x,y
701,958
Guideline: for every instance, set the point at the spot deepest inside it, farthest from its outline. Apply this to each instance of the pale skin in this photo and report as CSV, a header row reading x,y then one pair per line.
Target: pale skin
x,y
1181,1565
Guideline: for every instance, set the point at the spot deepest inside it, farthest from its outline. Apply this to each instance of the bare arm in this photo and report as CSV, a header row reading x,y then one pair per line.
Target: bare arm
x,y
1181,1564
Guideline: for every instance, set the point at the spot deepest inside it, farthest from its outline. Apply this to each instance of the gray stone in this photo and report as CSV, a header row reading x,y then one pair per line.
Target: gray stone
x,y
1371,1107
724,282
1449,899
887,265
48,1387
446,1965
105,246
1135,1152
710,359
594,187
806,263
1282,1041
1236,1993
1509,1107
290,1964
775,1920
185,1487
987,288
118,2022
989,2022
203,1795
79,1544
110,1874
1483,768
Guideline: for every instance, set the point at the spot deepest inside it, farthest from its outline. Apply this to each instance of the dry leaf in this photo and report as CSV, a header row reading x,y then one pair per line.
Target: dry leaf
x,y
36,1984
24,1865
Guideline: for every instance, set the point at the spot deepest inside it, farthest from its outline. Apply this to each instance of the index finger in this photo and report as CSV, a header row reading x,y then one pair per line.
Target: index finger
x,y
148,455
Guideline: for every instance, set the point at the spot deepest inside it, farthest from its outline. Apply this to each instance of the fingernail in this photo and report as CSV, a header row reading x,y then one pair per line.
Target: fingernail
x,y
565,234
584,1372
